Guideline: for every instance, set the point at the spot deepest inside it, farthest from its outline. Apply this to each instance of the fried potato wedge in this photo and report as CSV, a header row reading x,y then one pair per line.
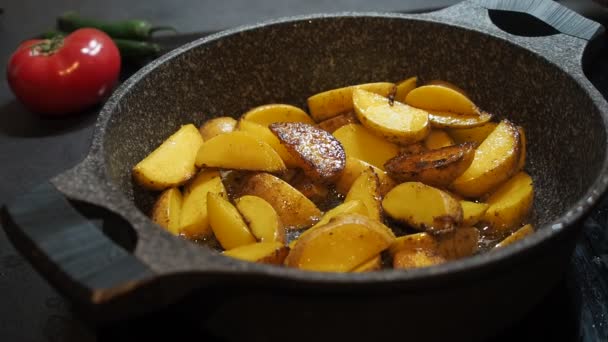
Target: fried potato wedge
x,y
413,242
240,151
472,212
263,133
408,259
226,222
263,252
353,168
327,104
217,126
344,243
366,188
404,87
360,143
522,155
475,134
318,153
396,122
373,264
194,221
450,120
495,161
438,167
172,163
294,209
332,124
271,113
516,236
437,138
262,219
510,204
315,191
441,98
167,210
447,84
458,244
423,207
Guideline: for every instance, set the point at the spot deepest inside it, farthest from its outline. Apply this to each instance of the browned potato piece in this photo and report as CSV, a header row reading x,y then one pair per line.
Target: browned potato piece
x,y
294,209
360,143
407,259
366,188
441,98
227,223
516,236
316,151
413,242
522,155
437,139
460,243
261,218
510,203
314,191
437,167
412,148
354,167
404,87
341,245
495,161
332,124
423,207
262,252
167,209
271,113
472,212
474,134
217,126
373,264
450,120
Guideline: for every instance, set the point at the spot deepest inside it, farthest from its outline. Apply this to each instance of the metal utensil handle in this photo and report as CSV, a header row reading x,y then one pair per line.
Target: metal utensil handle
x,y
69,249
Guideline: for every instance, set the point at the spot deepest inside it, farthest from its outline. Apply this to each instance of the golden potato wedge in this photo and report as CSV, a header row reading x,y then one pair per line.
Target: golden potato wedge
x,y
263,252
516,236
472,212
522,155
510,204
262,219
450,120
448,85
441,98
413,242
495,161
396,122
241,151
353,169
332,124
194,221
217,126
271,113
408,259
316,151
341,245
438,167
327,104
360,143
423,207
366,188
294,209
172,163
474,134
167,210
404,87
373,264
263,133
437,138
460,243
227,224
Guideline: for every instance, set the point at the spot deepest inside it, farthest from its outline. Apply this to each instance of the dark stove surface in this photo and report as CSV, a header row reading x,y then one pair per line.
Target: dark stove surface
x,y
576,310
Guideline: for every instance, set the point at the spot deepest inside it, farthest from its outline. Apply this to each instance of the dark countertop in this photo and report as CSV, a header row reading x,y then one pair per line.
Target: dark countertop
x,y
34,149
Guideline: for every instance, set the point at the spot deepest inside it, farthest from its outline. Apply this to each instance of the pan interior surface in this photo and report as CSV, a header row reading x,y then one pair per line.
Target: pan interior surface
x,y
286,62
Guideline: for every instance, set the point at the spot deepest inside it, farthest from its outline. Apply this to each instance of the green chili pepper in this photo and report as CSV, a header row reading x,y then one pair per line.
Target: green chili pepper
x,y
127,29
131,50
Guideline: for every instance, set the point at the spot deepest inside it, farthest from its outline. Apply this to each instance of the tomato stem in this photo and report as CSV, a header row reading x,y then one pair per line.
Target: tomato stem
x,y
48,46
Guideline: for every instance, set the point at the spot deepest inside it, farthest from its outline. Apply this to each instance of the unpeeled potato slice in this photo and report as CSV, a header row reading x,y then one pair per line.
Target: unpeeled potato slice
x,y
263,133
413,242
441,98
416,259
194,222
263,252
241,151
261,218
327,104
353,168
341,245
172,163
472,212
373,264
360,143
475,134
294,209
495,161
510,203
437,138
447,84
227,224
458,244
423,207
271,113
318,153
332,124
516,236
437,167
440,119
366,188
217,126
397,122
404,87
167,209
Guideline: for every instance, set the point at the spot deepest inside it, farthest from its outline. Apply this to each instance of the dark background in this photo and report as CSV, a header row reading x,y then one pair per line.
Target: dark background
x,y
34,149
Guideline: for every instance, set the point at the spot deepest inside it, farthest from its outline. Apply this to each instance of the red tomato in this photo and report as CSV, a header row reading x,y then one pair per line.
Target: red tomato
x,y
57,77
